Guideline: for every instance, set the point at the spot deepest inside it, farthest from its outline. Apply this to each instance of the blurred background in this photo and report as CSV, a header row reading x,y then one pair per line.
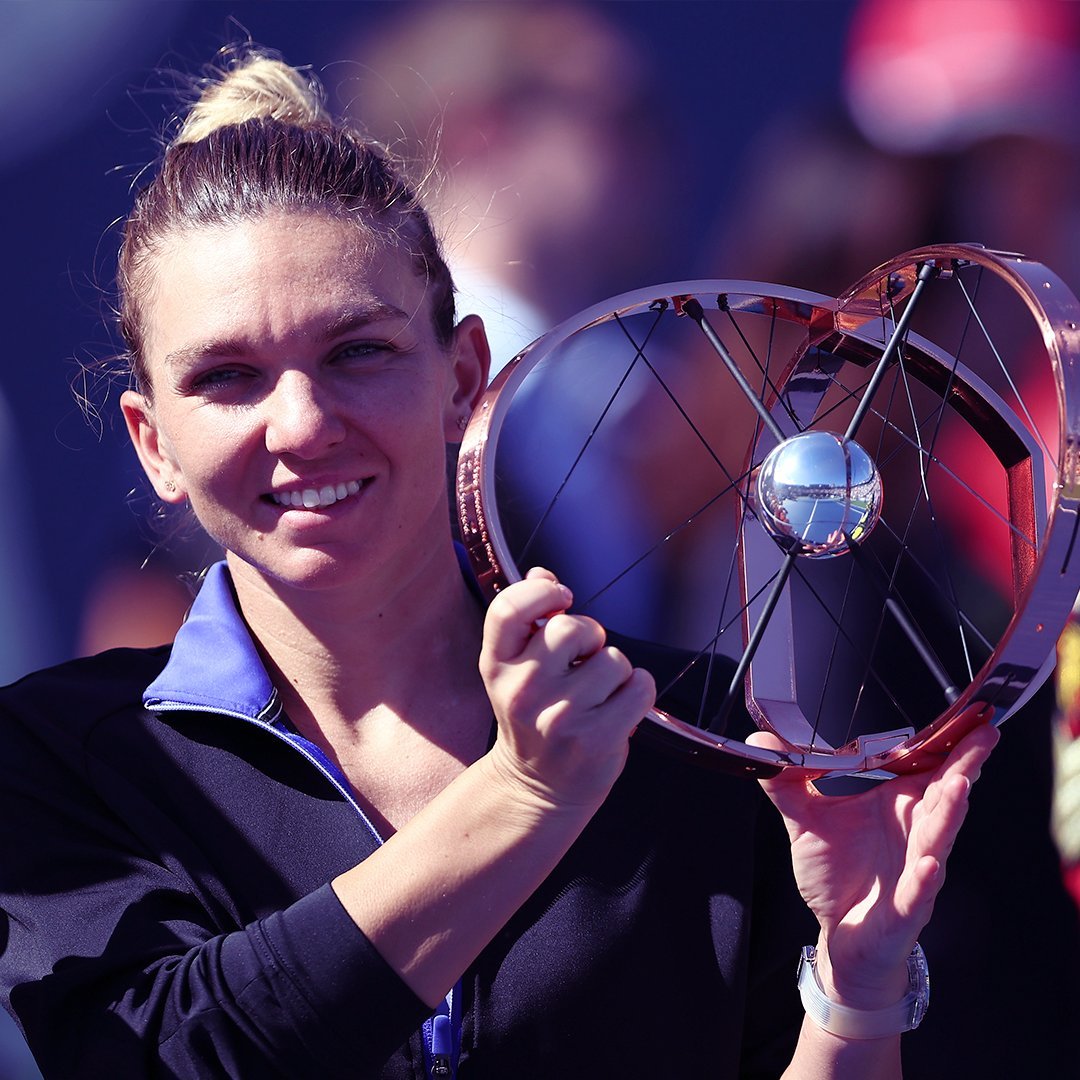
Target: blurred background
x,y
579,150
585,150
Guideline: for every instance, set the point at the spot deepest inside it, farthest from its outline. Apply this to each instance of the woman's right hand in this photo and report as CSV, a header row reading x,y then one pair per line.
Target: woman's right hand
x,y
565,703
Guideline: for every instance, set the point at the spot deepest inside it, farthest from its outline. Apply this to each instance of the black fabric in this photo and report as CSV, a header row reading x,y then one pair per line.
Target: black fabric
x,y
163,881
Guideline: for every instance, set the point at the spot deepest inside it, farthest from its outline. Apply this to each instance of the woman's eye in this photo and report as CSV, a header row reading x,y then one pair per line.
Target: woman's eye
x,y
363,350
215,378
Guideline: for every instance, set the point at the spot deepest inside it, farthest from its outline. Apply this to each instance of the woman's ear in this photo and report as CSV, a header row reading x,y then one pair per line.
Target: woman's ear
x,y
470,363
155,453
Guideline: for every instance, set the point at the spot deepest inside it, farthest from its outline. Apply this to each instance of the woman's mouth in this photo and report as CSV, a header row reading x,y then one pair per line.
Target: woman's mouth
x,y
316,498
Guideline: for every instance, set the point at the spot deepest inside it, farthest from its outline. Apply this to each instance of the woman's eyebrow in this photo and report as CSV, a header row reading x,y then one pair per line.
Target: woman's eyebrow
x,y
357,318
188,355
343,323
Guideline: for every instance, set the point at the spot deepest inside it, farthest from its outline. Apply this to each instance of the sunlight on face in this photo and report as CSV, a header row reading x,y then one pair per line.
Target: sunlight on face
x,y
300,399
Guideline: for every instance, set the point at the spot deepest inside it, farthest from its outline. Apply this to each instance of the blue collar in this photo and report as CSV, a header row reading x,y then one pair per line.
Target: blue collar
x,y
214,665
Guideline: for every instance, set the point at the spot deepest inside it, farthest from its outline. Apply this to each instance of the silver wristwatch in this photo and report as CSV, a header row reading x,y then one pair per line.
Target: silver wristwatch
x,y
852,1023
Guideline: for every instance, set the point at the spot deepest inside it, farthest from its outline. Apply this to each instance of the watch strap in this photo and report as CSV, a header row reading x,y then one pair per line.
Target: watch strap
x,y
849,1023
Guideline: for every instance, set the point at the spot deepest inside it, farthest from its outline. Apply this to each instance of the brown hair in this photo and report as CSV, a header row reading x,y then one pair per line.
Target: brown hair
x,y
258,139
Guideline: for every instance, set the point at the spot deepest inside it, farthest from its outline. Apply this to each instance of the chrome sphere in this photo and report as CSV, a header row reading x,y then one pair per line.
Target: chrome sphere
x,y
817,494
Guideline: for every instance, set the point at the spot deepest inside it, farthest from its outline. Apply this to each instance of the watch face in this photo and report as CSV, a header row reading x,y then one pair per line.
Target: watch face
x,y
919,981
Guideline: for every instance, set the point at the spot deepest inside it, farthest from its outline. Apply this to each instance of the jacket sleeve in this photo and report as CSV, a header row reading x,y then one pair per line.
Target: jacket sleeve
x,y
780,924
117,962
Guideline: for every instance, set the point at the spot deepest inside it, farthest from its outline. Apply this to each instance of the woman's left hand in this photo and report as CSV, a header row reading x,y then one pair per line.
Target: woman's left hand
x,y
870,865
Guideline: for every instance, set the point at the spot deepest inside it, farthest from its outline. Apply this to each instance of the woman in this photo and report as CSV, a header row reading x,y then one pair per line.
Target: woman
x,y
314,838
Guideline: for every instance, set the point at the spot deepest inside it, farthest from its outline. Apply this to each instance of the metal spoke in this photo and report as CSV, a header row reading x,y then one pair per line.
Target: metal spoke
x,y
694,309
926,272
1005,371
735,687
763,368
639,354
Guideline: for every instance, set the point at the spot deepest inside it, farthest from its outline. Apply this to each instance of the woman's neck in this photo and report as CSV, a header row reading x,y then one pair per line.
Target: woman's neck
x,y
407,643
381,674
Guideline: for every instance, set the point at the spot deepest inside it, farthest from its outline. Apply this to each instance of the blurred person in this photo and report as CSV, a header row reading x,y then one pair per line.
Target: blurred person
x,y
957,122
130,605
537,128
984,92
351,823
544,122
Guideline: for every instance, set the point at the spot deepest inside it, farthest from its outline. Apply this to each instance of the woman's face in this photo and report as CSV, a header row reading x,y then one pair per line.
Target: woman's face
x,y
299,398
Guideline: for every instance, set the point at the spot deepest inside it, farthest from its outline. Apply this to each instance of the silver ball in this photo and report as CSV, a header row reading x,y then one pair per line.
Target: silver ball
x,y
817,494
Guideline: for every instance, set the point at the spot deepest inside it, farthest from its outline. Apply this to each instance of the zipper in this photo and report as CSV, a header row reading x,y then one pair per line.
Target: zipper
x,y
441,1045
441,1038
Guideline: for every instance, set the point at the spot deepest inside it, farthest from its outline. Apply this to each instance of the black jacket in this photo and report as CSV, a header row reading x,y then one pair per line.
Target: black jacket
x,y
166,912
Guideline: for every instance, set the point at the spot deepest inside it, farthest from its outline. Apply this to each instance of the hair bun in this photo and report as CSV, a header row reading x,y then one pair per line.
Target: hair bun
x,y
255,87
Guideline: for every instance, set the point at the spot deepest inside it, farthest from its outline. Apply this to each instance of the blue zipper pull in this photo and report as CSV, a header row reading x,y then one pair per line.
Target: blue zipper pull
x,y
441,1046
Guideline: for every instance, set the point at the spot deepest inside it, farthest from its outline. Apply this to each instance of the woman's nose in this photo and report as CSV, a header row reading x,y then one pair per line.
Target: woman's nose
x,y
300,417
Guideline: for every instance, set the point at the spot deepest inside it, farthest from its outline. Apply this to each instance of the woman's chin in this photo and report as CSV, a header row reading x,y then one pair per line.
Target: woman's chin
x,y
308,569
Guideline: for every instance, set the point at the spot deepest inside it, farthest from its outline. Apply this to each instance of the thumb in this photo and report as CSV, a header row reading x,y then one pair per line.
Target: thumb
x,y
791,790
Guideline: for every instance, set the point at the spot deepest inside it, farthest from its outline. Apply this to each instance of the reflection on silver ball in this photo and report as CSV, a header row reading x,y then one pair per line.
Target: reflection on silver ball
x,y
818,495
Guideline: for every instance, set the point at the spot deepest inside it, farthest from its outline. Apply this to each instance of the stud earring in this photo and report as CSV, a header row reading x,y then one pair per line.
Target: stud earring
x,y
170,486
462,423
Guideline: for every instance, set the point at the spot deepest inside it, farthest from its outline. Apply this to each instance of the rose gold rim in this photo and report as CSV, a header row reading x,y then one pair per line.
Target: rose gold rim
x,y
853,332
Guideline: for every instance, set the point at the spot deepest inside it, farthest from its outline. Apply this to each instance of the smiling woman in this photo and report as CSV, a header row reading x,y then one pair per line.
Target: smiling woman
x,y
290,357
350,824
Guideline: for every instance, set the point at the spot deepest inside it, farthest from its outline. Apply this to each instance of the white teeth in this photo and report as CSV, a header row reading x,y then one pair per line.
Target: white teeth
x,y
310,498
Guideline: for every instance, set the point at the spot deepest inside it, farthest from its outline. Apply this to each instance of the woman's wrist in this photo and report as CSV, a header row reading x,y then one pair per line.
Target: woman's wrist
x,y
534,794
862,984
864,1021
